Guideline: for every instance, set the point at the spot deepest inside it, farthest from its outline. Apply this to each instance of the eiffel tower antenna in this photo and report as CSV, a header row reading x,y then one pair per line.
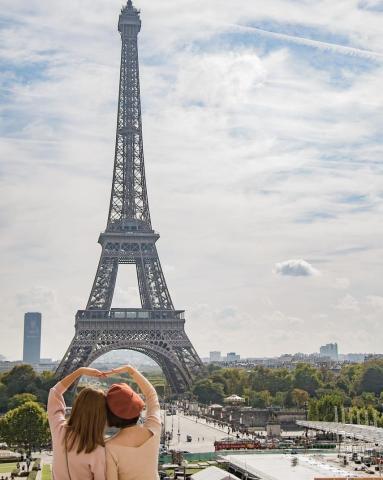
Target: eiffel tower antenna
x,y
156,329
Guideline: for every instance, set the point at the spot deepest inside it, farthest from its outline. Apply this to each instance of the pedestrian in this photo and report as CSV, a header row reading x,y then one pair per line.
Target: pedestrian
x,y
78,444
133,452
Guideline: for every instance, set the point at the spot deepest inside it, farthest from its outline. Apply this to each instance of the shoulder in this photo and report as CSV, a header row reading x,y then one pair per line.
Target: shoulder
x,y
110,440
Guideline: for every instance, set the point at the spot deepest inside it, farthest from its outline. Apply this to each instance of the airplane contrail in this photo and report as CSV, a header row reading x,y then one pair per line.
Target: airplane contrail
x,y
333,47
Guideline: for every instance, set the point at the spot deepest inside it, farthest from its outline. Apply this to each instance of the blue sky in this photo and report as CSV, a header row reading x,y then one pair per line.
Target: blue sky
x,y
263,148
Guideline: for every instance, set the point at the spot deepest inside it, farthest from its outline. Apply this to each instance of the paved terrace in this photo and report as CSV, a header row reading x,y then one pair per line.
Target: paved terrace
x,y
359,432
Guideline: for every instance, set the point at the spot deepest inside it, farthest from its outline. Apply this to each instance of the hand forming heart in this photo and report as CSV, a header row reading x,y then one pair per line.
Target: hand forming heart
x,y
93,372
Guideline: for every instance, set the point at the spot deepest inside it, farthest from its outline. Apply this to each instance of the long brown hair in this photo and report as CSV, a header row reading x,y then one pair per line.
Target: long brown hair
x,y
86,424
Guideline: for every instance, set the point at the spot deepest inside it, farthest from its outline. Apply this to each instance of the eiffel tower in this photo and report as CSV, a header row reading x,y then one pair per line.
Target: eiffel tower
x,y
156,329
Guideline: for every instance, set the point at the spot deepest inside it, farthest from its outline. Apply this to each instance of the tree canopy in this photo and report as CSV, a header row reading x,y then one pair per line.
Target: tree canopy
x,y
25,427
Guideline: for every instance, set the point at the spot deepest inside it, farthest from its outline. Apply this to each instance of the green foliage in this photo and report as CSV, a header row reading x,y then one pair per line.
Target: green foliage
x,y
371,379
280,399
306,377
25,427
20,399
208,392
313,413
261,399
261,378
46,473
355,389
23,380
326,407
300,397
7,467
3,398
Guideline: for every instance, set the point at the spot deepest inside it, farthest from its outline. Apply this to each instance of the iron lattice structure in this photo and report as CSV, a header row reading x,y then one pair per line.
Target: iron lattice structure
x,y
156,329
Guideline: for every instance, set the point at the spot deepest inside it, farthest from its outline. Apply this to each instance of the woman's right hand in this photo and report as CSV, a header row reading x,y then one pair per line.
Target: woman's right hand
x,y
124,369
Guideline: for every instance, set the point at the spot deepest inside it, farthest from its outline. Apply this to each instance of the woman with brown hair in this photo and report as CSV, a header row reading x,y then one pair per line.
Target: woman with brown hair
x,y
132,454
78,444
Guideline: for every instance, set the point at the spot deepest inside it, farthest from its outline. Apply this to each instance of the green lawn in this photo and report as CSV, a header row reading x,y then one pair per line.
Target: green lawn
x,y
46,473
7,467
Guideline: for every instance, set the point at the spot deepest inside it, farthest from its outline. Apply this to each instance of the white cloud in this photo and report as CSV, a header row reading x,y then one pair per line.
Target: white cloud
x,y
341,283
325,46
295,268
40,298
375,301
348,303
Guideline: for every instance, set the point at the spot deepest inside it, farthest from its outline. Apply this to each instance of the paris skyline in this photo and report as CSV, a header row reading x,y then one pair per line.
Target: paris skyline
x,y
264,182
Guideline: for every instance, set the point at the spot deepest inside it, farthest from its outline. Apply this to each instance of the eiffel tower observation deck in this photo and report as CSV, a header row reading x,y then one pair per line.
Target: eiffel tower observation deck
x,y
156,329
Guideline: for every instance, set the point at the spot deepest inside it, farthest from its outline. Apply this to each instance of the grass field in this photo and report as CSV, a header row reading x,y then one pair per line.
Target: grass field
x,y
7,467
46,473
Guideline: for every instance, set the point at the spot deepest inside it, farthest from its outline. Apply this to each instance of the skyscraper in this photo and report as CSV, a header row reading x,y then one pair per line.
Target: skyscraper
x,y
32,337
215,356
329,350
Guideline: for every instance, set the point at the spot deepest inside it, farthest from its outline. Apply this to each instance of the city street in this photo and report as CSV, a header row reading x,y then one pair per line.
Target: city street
x,y
203,434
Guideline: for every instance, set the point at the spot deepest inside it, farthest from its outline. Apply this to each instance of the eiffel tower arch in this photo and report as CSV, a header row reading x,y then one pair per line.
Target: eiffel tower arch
x,y
156,329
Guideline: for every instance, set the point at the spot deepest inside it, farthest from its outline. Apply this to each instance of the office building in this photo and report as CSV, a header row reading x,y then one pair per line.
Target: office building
x,y
330,350
32,338
215,356
232,357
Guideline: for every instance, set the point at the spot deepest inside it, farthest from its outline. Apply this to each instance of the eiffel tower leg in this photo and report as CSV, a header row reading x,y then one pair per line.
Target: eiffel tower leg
x,y
151,281
102,291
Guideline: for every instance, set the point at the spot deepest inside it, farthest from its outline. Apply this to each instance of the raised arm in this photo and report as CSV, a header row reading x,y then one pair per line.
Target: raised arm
x,y
56,403
153,411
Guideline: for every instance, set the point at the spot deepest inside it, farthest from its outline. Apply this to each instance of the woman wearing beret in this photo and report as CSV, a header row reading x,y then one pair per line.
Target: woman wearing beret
x,y
132,454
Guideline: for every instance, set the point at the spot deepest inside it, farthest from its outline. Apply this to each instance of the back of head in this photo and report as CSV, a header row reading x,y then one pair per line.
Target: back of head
x,y
124,405
87,422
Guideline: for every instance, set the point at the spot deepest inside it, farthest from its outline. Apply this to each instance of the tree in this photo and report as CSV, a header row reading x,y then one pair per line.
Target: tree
x,y
25,427
306,378
208,391
3,398
21,379
20,399
261,399
300,397
326,407
371,379
273,380
280,399
313,413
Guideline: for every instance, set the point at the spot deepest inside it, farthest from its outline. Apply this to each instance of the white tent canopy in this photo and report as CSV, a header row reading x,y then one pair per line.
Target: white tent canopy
x,y
213,473
234,399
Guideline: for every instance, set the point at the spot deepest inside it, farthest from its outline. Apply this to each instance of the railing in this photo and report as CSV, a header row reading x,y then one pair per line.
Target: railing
x,y
130,314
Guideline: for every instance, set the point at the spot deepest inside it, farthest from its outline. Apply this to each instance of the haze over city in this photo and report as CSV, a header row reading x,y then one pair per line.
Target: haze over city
x,y
263,158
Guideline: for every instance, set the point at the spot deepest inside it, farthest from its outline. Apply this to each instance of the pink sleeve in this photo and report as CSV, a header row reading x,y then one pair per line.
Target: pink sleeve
x,y
153,411
56,407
